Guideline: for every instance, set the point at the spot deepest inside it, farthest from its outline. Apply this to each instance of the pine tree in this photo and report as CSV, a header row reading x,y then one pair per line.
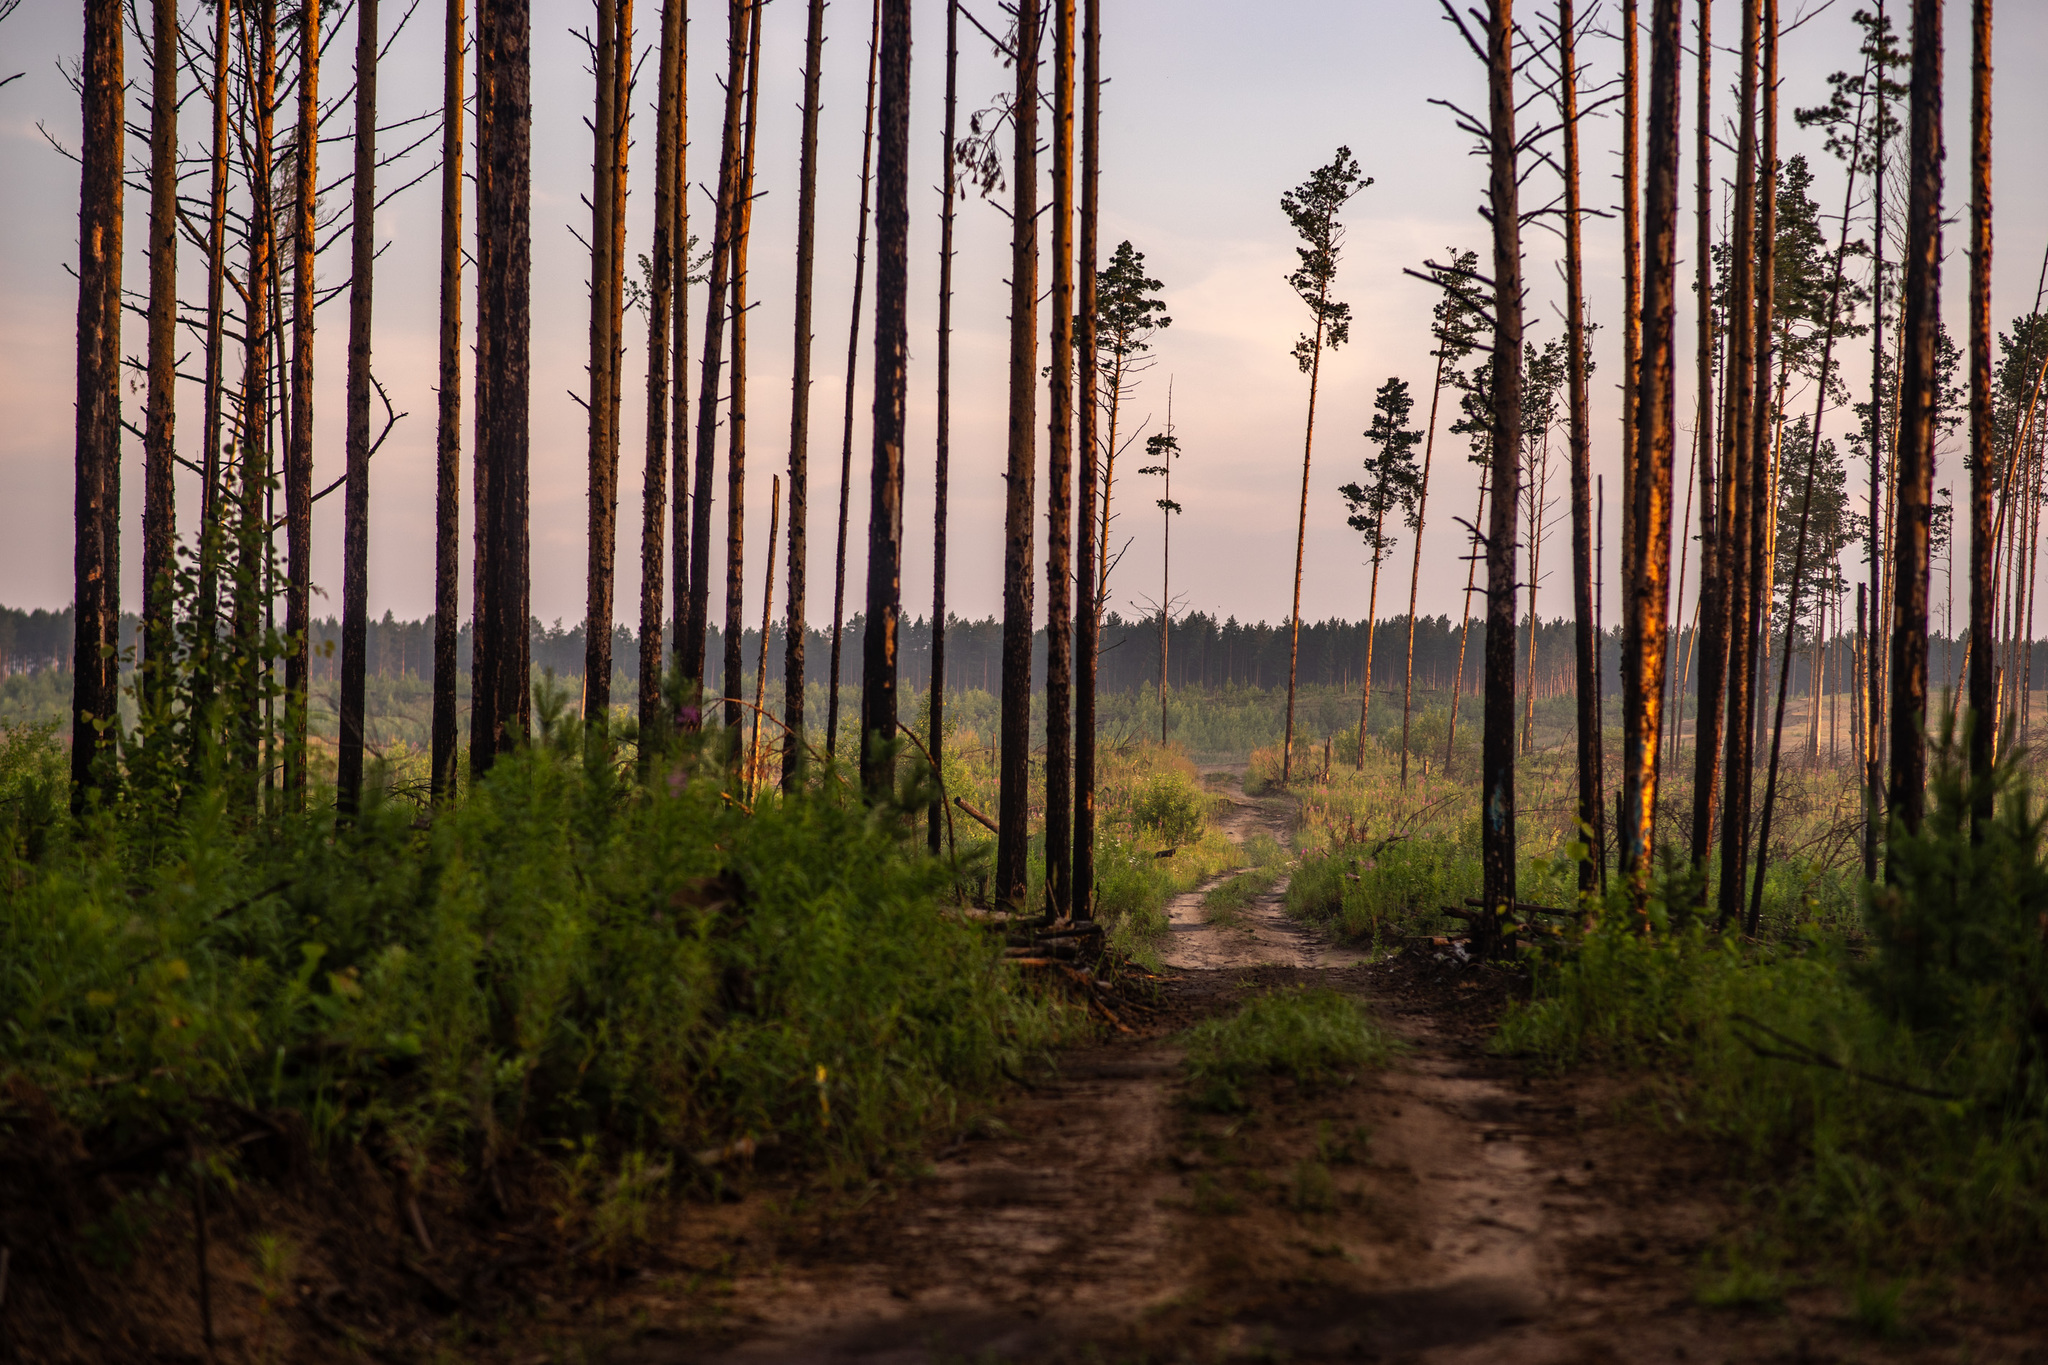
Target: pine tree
x,y
355,554
1392,484
1089,551
1059,482
448,431
298,464
159,511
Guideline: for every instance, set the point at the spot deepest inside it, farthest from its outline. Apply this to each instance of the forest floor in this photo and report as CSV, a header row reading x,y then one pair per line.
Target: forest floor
x,y
1453,1207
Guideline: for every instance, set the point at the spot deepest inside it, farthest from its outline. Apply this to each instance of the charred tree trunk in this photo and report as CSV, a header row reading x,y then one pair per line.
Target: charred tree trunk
x,y
680,516
1503,207
1088,604
159,511
860,267
206,610
613,51
935,817
1592,803
669,189
448,434
355,536
96,558
691,647
298,463
501,653
1873,682
1656,407
1059,482
736,462
1014,798
800,407
1908,778
245,702
892,356
1982,683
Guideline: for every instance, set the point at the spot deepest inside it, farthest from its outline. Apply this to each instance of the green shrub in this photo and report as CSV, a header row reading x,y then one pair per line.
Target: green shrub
x,y
1171,806
1309,1035
1400,889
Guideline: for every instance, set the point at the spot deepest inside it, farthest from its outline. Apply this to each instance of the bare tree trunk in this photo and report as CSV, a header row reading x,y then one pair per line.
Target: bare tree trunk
x,y
1908,777
663,250
1980,733
1503,205
892,355
750,773
1873,694
860,265
1710,644
691,647
1436,392
355,536
1014,797
1059,483
936,815
612,50
1088,608
1631,306
1741,502
1472,559
800,408
1592,802
680,505
736,462
96,562
1308,445
298,463
501,649
245,702
1372,616
448,436
159,510
211,542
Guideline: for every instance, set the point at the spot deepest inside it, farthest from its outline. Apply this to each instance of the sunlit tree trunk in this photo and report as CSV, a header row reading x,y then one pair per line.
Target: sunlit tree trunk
x,y
355,552
1091,550
892,348
448,433
860,266
159,511
500,711
96,561
1014,795
680,514
1908,777
1498,757
1059,482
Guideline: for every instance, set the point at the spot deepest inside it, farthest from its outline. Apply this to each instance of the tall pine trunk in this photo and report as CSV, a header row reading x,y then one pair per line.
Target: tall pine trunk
x,y
1498,744
96,559
1415,572
1472,557
935,817
892,356
800,408
500,709
1907,792
691,647
1089,550
1013,802
206,611
669,189
860,268
680,514
245,704
613,54
736,461
298,464
1592,803
1308,446
448,433
1656,408
355,536
159,512
1710,641
1059,482
1981,669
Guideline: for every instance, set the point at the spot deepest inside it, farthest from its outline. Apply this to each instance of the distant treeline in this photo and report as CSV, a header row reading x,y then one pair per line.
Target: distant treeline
x,y
1204,652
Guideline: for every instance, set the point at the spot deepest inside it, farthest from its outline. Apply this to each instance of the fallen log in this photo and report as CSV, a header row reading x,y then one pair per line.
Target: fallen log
x,y
976,815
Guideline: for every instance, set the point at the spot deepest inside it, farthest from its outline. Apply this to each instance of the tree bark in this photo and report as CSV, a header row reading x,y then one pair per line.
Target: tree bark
x,y
211,545
680,515
1592,803
892,355
448,434
691,647
613,50
501,652
1415,570
736,462
1655,440
1503,206
245,704
800,407
1059,482
669,189
355,537
750,773
935,817
1014,794
1088,604
1915,497
159,510
96,560
298,464
1472,558
1710,643
1982,702
860,266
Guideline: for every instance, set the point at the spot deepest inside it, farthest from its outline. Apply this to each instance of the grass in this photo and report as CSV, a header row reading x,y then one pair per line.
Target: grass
x,y
1311,1036
1223,903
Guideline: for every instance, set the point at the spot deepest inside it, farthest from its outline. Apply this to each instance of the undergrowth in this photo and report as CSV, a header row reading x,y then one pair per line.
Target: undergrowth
x,y
1311,1036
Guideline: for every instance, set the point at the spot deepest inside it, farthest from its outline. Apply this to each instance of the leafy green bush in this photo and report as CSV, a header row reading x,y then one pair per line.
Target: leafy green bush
x,y
1309,1035
1171,806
